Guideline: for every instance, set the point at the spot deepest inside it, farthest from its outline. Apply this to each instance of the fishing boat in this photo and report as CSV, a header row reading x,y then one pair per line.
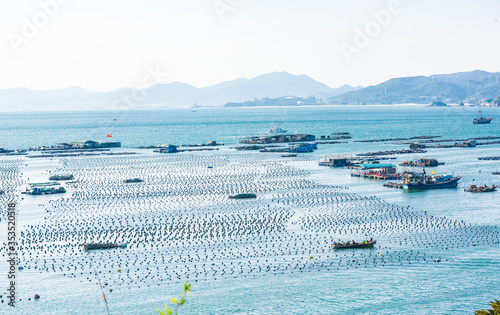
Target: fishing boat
x,y
277,130
364,244
481,120
90,246
417,180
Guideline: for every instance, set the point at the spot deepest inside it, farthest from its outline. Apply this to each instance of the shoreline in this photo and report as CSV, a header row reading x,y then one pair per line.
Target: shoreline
x,y
110,110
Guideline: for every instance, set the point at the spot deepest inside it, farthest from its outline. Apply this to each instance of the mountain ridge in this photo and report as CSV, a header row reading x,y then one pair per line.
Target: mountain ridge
x,y
471,86
174,94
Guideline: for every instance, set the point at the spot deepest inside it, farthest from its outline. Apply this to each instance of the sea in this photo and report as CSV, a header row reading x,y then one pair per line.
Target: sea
x,y
465,279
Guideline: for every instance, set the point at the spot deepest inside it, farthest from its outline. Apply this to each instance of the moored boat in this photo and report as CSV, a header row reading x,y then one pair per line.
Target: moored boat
x,y
416,180
132,180
364,244
242,196
90,246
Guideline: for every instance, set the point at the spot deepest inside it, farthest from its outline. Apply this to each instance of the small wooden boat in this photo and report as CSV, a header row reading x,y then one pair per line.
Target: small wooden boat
x,y
132,180
242,196
89,246
354,245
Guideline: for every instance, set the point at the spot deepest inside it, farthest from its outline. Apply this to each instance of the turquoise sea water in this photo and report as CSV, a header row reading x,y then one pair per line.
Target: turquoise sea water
x,y
228,125
459,286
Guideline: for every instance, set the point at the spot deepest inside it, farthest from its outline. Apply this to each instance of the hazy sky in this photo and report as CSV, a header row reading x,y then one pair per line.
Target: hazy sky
x,y
103,45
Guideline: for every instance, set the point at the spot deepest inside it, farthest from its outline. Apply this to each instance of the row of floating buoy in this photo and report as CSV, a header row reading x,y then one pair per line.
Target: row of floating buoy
x,y
180,224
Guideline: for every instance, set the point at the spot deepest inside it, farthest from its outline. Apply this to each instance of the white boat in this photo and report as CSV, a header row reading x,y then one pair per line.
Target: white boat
x,y
277,130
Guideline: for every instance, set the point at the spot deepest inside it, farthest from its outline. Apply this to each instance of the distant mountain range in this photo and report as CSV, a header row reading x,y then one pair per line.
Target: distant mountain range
x,y
277,88
456,88
169,95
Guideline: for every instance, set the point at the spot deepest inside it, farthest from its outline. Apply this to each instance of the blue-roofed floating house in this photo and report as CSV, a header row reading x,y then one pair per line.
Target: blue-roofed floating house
x,y
376,170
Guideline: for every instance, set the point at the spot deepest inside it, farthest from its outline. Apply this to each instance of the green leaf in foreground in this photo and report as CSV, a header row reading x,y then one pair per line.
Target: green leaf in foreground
x,y
177,302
